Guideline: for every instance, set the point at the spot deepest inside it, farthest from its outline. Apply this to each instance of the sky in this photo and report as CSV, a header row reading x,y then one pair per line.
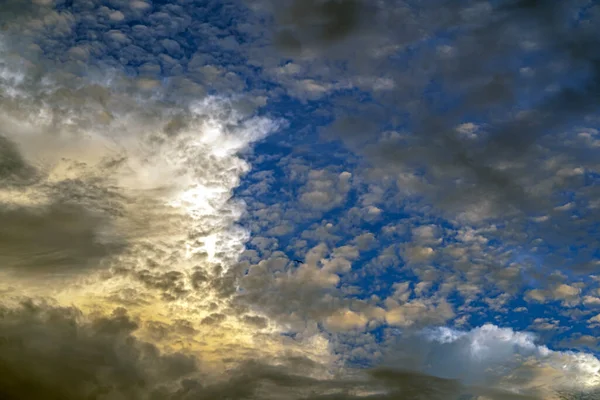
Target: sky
x,y
299,199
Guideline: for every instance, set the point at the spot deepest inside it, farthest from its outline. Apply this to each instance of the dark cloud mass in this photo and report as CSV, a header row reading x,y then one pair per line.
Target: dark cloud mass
x,y
58,239
313,22
64,227
50,352
55,352
14,170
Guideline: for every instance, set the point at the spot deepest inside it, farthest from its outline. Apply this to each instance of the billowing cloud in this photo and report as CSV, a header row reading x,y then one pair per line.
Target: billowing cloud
x,y
491,356
60,353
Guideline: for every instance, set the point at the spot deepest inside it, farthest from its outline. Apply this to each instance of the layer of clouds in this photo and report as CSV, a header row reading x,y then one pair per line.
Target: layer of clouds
x,y
498,136
60,352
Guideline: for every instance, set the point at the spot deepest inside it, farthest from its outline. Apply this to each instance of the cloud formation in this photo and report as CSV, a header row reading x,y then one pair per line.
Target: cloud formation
x,y
479,135
58,352
166,189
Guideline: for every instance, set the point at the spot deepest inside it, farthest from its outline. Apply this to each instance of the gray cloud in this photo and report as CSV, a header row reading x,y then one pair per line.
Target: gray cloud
x,y
49,352
57,239
485,111
14,170
508,140
58,353
314,22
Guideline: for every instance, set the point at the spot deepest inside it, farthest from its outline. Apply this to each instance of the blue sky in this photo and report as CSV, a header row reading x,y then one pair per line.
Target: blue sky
x,y
260,199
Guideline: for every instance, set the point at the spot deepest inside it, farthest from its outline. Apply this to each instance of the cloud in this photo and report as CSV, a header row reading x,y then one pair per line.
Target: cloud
x,y
61,353
17,11
491,356
57,353
88,172
14,170
453,129
324,190
54,240
569,295
418,312
67,354
345,320
314,23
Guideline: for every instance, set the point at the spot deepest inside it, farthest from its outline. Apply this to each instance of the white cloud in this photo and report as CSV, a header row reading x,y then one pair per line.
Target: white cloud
x,y
501,357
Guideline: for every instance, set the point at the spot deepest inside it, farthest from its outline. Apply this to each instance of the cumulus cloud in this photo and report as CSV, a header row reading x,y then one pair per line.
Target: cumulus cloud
x,y
126,197
62,353
58,353
324,190
569,295
491,356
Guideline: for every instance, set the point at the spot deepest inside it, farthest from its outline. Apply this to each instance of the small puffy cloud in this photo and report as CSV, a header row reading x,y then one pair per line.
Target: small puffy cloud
x,y
418,312
536,295
569,295
545,324
595,320
426,235
365,241
577,341
325,190
116,16
345,320
417,254
591,301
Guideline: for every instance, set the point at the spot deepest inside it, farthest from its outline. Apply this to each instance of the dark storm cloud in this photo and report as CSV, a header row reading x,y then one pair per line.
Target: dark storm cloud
x,y
313,22
55,352
15,10
14,170
68,233
50,352
59,238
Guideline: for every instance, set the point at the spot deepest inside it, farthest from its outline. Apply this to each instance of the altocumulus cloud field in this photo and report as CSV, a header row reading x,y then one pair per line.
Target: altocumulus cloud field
x,y
317,199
